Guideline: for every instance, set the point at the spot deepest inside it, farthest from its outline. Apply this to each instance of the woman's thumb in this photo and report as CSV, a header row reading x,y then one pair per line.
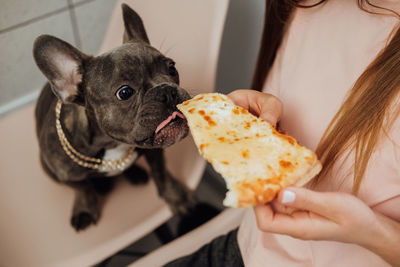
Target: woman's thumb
x,y
304,199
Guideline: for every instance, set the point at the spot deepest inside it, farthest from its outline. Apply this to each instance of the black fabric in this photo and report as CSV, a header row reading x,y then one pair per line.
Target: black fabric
x,y
199,214
223,251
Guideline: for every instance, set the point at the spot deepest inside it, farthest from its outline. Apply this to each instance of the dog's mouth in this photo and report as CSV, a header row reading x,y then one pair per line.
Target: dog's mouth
x,y
171,130
169,120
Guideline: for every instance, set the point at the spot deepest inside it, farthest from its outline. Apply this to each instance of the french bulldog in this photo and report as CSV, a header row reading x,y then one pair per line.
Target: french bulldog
x,y
98,114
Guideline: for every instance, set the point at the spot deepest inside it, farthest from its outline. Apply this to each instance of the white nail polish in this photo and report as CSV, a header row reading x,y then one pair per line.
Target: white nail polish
x,y
288,197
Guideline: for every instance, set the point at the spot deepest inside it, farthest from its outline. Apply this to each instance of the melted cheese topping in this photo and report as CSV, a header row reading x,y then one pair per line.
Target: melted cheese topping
x,y
255,160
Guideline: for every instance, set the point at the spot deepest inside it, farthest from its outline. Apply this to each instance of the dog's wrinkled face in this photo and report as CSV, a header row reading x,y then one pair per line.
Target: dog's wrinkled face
x,y
133,91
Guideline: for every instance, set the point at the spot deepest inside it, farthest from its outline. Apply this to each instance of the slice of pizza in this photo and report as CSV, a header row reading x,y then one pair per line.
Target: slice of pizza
x,y
255,160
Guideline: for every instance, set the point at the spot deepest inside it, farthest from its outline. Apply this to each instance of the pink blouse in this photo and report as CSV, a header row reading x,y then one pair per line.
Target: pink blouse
x,y
324,51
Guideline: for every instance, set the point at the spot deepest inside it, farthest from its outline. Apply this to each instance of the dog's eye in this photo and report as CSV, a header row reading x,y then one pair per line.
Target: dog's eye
x,y
172,70
124,93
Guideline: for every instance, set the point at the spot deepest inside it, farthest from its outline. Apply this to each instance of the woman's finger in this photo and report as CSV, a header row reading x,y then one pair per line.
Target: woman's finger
x,y
278,207
269,221
325,204
300,224
265,106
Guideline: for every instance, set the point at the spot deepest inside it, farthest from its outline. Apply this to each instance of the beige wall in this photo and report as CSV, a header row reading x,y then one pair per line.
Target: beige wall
x,y
240,43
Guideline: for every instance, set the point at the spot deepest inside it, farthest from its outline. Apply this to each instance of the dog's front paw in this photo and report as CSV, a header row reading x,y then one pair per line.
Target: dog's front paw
x,y
182,207
103,185
86,209
180,199
136,175
82,220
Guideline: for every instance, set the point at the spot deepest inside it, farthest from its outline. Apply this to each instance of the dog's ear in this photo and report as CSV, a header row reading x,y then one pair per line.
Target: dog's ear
x,y
62,64
134,28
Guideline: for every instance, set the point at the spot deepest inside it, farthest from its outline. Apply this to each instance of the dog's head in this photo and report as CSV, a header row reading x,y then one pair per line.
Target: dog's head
x,y
132,91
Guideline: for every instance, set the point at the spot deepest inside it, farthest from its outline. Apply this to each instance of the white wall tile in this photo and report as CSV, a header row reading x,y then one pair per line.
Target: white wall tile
x,y
19,74
13,12
92,20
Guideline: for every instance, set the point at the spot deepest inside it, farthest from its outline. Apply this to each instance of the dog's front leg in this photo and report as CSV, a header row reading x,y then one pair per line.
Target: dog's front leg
x,y
86,206
180,198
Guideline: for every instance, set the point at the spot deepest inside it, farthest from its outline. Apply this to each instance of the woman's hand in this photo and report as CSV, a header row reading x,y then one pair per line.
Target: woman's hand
x,y
265,106
330,216
318,216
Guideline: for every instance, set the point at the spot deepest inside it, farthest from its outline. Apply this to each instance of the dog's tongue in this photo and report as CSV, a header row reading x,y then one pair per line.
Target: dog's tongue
x,y
169,119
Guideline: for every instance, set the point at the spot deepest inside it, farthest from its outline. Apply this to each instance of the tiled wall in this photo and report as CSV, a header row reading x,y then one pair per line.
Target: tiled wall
x,y
79,22
83,23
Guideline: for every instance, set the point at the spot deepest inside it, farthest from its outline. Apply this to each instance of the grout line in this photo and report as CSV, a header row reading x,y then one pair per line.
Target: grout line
x,y
43,16
24,23
82,3
74,24
19,102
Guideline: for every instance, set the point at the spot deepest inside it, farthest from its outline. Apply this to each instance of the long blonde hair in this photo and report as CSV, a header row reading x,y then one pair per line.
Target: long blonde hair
x,y
368,109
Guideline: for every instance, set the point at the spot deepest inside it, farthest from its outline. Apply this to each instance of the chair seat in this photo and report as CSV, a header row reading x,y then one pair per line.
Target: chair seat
x,y
35,210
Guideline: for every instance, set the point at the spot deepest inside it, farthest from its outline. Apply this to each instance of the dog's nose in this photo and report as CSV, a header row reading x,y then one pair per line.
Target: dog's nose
x,y
167,94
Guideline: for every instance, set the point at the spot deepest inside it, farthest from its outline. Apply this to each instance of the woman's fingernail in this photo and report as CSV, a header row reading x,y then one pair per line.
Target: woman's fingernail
x,y
288,197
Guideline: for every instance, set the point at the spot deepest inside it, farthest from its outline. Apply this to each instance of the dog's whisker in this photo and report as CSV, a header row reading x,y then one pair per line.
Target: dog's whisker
x,y
162,43
169,49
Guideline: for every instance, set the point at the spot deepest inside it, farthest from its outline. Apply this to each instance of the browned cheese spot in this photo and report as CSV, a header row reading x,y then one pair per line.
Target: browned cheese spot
x,y
288,138
210,121
202,112
275,180
287,165
268,195
309,160
202,146
232,133
221,139
245,154
248,125
235,111
225,162
191,110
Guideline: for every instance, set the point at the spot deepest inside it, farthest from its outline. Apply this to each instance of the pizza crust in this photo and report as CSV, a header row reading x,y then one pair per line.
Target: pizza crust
x,y
254,159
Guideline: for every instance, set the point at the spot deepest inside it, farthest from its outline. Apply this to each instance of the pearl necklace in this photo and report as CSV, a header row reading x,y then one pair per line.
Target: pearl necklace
x,y
104,165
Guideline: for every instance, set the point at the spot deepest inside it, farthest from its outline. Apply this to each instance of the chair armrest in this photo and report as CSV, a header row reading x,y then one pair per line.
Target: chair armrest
x,y
226,221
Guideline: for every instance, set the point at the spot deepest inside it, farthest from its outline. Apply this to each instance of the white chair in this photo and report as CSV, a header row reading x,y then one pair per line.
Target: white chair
x,y
35,211
226,221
